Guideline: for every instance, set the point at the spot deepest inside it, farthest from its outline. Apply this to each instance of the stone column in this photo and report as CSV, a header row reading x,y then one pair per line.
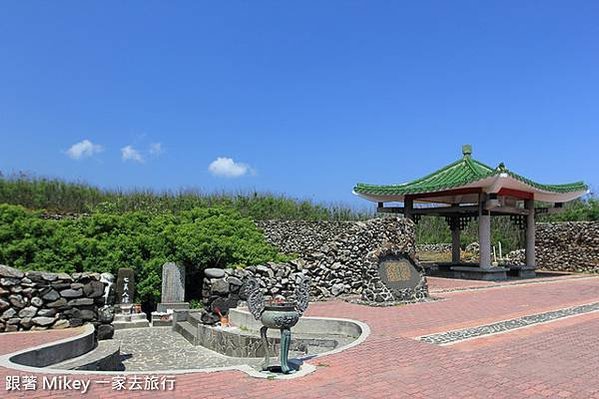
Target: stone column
x,y
455,243
484,234
530,254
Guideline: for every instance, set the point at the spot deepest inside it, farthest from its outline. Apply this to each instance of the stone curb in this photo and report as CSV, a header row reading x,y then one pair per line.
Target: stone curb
x,y
5,360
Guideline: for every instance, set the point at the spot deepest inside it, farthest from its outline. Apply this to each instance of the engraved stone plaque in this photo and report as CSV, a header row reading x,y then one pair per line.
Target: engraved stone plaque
x,y
173,283
398,273
125,286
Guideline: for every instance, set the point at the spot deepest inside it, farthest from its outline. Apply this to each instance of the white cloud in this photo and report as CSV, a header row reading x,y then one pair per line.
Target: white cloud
x,y
83,149
156,149
129,153
227,167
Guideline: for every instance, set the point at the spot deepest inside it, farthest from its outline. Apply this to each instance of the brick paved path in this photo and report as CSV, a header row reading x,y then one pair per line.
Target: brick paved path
x,y
559,359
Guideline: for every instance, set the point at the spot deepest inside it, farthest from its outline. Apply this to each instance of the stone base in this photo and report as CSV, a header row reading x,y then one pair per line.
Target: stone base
x,y
523,271
479,273
134,320
468,271
162,319
164,307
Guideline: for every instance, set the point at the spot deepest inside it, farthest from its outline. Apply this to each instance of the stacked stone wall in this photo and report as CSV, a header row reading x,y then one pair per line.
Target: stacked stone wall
x,y
566,246
40,300
332,254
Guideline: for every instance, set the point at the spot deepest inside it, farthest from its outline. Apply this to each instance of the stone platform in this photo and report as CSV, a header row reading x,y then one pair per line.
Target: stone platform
x,y
134,320
467,271
242,338
471,271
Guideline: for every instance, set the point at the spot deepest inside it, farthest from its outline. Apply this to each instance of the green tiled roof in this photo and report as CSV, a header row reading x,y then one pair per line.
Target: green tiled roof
x,y
457,174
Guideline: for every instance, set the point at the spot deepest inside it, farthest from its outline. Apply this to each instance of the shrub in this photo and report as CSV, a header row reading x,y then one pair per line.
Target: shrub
x,y
199,238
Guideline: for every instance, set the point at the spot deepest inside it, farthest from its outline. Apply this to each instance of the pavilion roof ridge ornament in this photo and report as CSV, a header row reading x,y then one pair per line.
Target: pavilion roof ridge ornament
x,y
501,167
467,150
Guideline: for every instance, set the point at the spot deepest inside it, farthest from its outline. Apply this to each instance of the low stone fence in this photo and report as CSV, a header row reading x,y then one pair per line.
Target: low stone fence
x,y
41,300
441,247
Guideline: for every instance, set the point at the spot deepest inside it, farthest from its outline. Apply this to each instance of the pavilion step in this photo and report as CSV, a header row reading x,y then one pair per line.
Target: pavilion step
x,y
188,331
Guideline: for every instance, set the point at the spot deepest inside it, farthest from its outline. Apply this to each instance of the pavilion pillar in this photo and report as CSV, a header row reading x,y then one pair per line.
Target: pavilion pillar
x,y
530,254
455,244
408,208
484,234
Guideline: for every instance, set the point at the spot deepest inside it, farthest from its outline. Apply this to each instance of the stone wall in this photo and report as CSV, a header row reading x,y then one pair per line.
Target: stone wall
x,y
332,254
567,246
40,300
441,247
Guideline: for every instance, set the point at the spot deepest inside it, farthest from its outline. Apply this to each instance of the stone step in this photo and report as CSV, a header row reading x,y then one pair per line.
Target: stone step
x,y
188,331
105,357
194,318
119,325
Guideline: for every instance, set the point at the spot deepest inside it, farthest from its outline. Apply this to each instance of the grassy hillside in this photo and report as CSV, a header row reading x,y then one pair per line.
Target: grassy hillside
x,y
58,196
55,195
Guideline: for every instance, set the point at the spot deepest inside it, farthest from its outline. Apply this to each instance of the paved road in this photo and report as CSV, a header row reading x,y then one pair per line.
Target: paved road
x,y
557,359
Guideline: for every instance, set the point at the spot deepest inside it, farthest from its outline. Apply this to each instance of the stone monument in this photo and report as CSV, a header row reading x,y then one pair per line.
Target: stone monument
x,y
173,288
125,295
391,276
173,294
125,286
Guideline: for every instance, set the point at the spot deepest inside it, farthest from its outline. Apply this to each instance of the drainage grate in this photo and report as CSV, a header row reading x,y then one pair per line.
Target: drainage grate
x,y
450,337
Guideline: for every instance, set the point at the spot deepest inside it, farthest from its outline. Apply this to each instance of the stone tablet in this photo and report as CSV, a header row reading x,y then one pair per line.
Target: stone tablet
x,y
390,275
398,273
125,286
173,283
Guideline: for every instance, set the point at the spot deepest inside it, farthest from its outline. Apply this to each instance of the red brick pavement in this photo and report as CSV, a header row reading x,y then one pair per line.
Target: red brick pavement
x,y
559,359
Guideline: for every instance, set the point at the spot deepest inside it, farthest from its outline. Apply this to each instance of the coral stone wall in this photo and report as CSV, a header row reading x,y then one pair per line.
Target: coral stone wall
x,y
40,300
568,246
564,246
333,254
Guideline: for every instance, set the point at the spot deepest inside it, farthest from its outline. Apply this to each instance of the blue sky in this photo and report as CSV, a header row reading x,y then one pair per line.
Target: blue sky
x,y
302,98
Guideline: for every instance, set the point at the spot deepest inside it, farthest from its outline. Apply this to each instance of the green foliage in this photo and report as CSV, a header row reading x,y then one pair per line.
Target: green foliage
x,y
200,238
431,230
196,304
62,197
579,209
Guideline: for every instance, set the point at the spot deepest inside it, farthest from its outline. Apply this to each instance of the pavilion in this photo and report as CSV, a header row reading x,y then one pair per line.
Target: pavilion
x,y
468,189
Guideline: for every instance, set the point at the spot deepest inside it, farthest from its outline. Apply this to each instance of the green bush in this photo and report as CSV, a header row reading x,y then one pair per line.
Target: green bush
x,y
432,230
199,238
579,209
